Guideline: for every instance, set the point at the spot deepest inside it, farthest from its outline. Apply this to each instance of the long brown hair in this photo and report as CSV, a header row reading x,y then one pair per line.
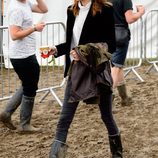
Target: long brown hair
x,y
96,6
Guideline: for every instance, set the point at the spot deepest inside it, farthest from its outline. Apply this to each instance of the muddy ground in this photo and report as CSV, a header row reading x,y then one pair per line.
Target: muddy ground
x,y
87,136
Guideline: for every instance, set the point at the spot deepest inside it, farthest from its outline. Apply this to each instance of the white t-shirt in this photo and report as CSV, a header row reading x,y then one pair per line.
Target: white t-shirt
x,y
20,14
79,22
78,25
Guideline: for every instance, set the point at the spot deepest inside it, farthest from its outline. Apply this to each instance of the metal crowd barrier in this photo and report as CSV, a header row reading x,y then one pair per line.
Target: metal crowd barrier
x,y
151,39
135,50
52,73
143,45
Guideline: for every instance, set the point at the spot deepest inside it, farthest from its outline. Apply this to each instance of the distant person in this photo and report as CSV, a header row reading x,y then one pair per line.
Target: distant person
x,y
90,32
22,56
124,15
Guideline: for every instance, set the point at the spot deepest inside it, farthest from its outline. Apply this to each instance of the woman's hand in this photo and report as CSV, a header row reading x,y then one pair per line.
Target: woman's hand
x,y
53,50
74,55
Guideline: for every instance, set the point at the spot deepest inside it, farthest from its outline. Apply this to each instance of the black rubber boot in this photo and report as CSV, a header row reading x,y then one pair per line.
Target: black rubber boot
x,y
125,99
12,105
25,116
58,149
116,146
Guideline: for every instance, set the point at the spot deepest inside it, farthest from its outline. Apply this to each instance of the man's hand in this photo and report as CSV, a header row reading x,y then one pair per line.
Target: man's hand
x,y
39,26
140,9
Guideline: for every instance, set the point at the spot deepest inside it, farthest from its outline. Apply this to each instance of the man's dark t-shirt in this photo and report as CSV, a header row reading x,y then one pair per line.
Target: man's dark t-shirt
x,y
120,7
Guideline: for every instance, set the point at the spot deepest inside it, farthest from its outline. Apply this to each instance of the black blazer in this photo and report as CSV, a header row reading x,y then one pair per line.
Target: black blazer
x,y
98,28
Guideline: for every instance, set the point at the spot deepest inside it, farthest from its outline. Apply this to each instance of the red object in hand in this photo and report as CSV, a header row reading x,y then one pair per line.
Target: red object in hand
x,y
44,55
45,51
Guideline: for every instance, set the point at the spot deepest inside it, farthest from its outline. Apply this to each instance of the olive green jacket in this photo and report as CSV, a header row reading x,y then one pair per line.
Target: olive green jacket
x,y
92,69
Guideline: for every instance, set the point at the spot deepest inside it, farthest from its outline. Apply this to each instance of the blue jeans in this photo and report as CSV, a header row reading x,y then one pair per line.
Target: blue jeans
x,y
69,109
28,71
119,56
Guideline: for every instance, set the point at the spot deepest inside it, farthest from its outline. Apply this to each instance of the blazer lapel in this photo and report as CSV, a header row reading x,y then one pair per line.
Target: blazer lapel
x,y
87,22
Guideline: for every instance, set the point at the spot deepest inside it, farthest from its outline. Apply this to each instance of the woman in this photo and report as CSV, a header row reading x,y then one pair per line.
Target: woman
x,y
22,55
90,24
124,15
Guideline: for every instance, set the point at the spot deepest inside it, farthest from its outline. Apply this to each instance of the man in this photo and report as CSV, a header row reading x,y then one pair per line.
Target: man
x,y
124,15
22,55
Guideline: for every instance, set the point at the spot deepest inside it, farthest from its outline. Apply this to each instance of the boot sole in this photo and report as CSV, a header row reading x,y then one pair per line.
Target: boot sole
x,y
7,123
127,103
22,131
28,132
